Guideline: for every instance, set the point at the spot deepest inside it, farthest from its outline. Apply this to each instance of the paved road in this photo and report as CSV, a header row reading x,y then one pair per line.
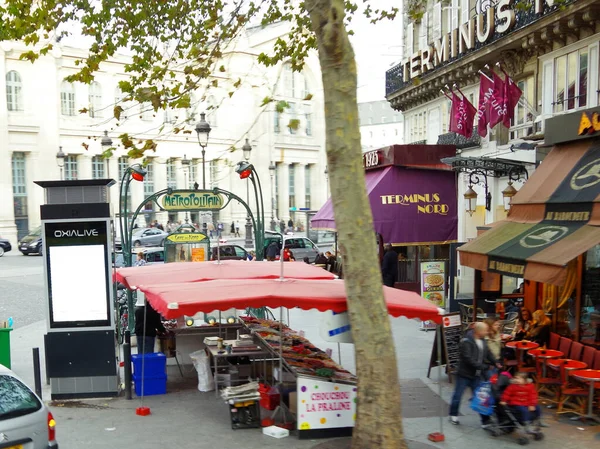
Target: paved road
x,y
22,288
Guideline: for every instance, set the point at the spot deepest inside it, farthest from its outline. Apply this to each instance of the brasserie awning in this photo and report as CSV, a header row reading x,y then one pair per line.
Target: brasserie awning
x,y
410,206
554,218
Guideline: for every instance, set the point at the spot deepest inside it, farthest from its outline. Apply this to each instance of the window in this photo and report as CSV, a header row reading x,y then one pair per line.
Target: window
x,y
214,173
98,165
288,80
71,165
67,99
149,179
19,184
95,100
292,184
292,116
14,94
571,80
171,174
308,120
522,123
307,189
146,111
120,101
192,173
212,112
276,122
17,399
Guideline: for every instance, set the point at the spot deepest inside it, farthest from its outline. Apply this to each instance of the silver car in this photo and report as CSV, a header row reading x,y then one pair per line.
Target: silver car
x,y
25,422
148,237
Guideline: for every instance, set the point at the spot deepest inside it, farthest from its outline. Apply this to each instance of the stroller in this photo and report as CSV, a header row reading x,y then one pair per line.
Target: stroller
x,y
509,421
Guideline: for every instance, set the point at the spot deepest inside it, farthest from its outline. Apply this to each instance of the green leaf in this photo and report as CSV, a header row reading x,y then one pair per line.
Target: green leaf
x,y
294,124
215,83
238,83
266,101
281,106
117,111
222,68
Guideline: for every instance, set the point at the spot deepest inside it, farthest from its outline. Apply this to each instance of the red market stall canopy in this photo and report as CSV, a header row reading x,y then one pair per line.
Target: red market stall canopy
x,y
181,272
411,206
553,219
176,300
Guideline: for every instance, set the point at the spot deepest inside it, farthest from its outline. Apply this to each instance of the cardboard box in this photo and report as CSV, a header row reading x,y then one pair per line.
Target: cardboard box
x,y
293,402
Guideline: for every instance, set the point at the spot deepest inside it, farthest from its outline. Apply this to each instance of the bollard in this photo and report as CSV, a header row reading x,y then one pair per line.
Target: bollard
x,y
37,372
127,363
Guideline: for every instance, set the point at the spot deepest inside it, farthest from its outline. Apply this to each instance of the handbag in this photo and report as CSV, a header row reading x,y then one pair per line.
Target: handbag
x,y
483,402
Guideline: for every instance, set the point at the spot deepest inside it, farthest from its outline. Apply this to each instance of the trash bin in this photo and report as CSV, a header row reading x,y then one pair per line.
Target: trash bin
x,y
5,347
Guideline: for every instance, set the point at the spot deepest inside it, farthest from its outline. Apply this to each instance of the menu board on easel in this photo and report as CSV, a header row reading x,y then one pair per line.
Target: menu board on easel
x,y
451,338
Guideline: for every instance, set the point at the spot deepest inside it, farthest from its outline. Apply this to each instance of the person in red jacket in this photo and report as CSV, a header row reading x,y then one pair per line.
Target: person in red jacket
x,y
522,398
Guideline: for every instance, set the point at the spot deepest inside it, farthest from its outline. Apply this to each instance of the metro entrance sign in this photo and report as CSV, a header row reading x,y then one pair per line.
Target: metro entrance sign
x,y
185,200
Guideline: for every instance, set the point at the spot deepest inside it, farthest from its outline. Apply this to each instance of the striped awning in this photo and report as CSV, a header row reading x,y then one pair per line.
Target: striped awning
x,y
554,218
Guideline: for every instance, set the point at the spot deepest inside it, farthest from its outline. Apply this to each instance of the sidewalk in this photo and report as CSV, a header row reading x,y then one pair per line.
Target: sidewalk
x,y
185,418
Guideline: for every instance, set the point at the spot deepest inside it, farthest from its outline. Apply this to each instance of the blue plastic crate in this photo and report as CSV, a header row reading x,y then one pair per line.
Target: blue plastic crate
x,y
155,364
152,385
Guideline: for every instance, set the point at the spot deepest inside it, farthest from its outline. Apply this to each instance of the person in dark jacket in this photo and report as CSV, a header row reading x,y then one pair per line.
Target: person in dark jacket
x,y
475,358
272,251
389,266
154,326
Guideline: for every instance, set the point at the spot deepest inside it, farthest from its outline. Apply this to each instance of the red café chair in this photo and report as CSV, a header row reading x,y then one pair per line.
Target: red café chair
x,y
554,341
597,360
550,385
574,395
587,356
565,345
576,351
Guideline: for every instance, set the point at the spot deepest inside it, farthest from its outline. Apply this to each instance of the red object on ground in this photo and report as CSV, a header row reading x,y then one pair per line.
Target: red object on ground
x,y
182,272
267,422
269,397
142,411
436,437
175,300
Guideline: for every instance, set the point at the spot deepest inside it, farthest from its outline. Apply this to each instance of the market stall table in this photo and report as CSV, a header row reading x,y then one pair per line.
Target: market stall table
x,y
591,377
545,355
521,347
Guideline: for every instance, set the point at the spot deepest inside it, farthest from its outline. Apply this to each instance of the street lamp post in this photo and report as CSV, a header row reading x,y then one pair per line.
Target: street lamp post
x,y
60,161
247,171
203,131
106,143
247,150
185,162
272,171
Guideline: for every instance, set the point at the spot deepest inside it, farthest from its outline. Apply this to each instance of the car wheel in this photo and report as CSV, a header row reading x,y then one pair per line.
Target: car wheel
x,y
137,244
162,242
1,251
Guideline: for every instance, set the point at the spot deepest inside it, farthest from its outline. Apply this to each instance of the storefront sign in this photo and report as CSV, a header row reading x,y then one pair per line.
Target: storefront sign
x,y
515,269
589,125
192,200
483,28
198,255
573,126
433,282
373,159
186,238
428,203
325,405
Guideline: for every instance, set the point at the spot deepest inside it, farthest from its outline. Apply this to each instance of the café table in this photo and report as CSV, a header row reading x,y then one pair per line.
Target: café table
x,y
591,377
544,355
567,364
521,347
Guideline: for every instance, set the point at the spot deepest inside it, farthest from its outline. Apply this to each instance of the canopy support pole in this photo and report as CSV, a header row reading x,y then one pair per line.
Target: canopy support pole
x,y
438,437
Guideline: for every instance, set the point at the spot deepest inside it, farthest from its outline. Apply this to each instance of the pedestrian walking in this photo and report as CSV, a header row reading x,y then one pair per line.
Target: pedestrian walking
x,y
282,226
475,359
290,225
232,229
272,251
211,229
237,229
220,229
389,266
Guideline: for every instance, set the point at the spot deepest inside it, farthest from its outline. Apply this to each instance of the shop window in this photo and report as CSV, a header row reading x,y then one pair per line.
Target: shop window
x,y
589,323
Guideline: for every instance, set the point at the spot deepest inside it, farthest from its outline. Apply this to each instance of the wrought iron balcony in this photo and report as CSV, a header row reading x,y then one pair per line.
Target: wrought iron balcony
x,y
459,141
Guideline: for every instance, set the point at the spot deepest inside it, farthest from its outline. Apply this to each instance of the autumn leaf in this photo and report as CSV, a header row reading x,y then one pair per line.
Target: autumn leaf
x,y
222,68
84,110
238,83
308,97
215,83
117,110
294,124
85,145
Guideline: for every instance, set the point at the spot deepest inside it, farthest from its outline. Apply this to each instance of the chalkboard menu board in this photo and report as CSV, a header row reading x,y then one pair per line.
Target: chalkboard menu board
x,y
451,337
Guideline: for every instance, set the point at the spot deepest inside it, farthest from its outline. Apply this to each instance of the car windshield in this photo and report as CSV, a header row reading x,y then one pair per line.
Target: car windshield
x,y
36,232
16,399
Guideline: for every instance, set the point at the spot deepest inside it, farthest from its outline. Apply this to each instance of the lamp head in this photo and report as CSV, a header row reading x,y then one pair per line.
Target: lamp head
x,y
244,169
106,141
138,172
185,161
203,130
60,157
272,167
247,149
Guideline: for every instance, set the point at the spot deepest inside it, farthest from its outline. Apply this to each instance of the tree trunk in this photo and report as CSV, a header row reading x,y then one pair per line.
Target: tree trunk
x,y
378,420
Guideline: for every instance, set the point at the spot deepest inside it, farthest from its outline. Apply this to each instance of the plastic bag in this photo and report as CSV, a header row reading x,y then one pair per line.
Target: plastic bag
x,y
483,401
202,364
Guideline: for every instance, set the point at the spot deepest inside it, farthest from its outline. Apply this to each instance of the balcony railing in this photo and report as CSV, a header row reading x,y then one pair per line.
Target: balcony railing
x,y
461,142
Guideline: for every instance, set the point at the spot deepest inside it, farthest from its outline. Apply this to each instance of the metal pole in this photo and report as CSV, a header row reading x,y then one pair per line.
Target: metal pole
x,y
203,169
439,357
37,372
127,363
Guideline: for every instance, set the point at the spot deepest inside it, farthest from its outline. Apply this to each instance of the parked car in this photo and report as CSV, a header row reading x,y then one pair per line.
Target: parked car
x,y
32,242
152,256
229,252
5,246
25,422
298,247
148,237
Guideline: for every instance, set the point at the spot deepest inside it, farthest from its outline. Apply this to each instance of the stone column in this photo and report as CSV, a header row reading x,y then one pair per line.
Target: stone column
x,y
283,201
8,229
84,166
160,183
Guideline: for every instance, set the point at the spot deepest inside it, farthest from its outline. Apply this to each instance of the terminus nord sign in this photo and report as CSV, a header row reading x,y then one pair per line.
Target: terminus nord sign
x,y
183,200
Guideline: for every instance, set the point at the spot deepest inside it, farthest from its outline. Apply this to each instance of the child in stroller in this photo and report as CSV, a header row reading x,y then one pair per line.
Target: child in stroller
x,y
517,406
